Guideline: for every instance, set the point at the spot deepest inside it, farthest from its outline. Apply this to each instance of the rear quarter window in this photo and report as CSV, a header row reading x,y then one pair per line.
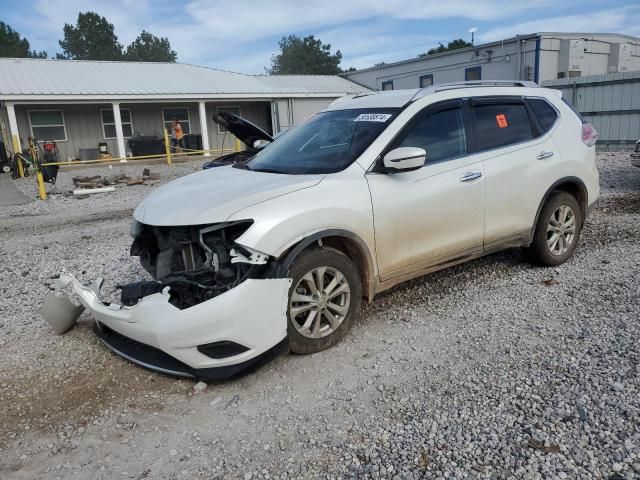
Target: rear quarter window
x,y
499,125
544,112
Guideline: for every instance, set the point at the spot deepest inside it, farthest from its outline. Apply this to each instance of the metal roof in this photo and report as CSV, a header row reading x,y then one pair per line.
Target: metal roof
x,y
484,46
20,78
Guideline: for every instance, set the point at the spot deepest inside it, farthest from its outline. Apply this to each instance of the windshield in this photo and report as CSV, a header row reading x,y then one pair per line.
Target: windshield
x,y
326,143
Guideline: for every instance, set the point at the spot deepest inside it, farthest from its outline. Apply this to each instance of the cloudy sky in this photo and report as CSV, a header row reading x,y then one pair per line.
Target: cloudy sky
x,y
242,35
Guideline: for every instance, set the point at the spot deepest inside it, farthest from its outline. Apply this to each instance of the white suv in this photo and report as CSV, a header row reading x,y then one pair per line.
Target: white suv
x,y
375,190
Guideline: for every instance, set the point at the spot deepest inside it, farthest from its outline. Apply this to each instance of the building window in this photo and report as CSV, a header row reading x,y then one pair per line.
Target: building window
x,y
228,109
472,73
176,113
47,125
426,80
109,123
388,85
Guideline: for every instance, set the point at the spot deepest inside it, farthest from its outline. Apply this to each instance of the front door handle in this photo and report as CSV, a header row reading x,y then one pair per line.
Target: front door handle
x,y
472,175
543,155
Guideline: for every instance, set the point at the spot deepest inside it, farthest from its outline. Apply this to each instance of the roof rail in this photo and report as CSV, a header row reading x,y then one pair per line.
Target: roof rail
x,y
473,83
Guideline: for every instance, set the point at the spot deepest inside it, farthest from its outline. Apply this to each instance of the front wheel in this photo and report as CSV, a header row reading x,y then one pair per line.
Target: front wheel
x,y
324,299
558,230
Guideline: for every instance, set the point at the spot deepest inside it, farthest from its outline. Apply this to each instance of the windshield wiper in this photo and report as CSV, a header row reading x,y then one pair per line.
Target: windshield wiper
x,y
242,166
266,170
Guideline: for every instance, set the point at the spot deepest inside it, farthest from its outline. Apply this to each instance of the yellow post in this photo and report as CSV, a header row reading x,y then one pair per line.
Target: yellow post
x,y
42,193
32,151
16,149
167,146
238,145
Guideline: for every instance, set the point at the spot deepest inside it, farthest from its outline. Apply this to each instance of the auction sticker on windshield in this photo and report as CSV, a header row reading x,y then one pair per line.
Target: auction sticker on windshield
x,y
372,117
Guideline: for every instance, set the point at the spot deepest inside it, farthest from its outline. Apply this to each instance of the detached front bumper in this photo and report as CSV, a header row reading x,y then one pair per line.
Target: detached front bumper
x,y
211,340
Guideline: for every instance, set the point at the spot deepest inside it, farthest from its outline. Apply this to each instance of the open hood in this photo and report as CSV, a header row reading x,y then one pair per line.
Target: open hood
x,y
243,129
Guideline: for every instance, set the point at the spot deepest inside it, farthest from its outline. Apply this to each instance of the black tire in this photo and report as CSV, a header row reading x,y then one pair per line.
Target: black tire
x,y
307,262
540,252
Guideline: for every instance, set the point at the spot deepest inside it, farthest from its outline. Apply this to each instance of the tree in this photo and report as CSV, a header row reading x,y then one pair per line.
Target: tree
x,y
306,55
453,45
15,46
93,38
149,48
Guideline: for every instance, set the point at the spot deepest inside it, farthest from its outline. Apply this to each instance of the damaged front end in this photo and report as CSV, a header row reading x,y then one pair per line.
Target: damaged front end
x,y
197,262
211,311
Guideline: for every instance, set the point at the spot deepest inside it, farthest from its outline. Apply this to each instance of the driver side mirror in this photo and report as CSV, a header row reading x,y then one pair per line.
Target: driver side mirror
x,y
404,159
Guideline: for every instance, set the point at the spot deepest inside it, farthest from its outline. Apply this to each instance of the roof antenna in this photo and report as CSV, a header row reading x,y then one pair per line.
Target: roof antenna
x,y
472,31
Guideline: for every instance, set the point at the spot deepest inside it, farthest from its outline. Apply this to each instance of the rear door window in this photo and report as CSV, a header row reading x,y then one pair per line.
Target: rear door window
x,y
544,112
439,131
498,124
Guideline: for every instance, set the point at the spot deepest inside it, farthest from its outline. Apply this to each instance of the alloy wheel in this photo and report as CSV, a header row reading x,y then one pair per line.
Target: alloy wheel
x,y
320,302
561,230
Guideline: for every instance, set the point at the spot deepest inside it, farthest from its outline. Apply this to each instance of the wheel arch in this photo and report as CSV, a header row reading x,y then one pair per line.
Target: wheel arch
x,y
571,185
344,241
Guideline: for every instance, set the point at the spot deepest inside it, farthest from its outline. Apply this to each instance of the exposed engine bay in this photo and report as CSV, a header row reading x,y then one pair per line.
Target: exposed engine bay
x,y
196,262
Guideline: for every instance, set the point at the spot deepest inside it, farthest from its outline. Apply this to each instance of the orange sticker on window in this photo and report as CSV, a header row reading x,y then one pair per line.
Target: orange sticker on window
x,y
502,121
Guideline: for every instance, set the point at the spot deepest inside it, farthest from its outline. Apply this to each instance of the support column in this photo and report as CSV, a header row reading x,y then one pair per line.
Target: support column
x,y
122,152
13,128
204,131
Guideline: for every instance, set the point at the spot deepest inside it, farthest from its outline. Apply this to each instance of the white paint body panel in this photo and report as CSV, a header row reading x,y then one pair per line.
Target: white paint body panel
x,y
214,195
427,213
253,314
408,221
516,182
341,201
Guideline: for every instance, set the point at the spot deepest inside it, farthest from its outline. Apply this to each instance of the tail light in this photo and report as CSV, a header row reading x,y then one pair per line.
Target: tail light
x,y
589,134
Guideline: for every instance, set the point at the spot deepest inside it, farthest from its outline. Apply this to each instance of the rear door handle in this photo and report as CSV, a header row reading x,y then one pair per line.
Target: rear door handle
x,y
472,175
543,155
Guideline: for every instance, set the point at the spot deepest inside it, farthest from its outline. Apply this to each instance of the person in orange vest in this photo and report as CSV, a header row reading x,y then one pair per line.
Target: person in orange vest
x,y
176,135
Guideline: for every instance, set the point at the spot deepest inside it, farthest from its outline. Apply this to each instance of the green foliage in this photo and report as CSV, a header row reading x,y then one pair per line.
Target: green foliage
x,y
92,38
149,48
14,46
453,45
305,56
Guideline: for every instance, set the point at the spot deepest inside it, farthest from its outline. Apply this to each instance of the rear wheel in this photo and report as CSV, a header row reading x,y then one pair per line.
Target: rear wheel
x,y
324,299
558,230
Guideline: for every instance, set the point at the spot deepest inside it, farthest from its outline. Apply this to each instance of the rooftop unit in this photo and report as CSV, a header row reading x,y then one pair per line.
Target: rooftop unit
x,y
571,58
620,58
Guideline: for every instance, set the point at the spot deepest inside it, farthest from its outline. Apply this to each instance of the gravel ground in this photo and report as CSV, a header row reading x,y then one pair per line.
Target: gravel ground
x,y
493,369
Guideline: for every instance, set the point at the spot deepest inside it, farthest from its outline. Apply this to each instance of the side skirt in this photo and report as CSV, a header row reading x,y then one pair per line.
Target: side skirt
x,y
520,239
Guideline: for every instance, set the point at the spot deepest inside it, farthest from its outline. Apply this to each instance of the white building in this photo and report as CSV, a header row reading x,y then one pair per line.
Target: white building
x,y
536,57
79,104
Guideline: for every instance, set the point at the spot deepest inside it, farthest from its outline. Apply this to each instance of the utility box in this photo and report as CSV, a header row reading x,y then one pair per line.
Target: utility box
x,y
146,145
88,154
192,141
571,58
620,58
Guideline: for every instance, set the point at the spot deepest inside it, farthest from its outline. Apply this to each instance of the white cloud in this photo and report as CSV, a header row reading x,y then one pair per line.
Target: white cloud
x,y
242,35
611,21
256,20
